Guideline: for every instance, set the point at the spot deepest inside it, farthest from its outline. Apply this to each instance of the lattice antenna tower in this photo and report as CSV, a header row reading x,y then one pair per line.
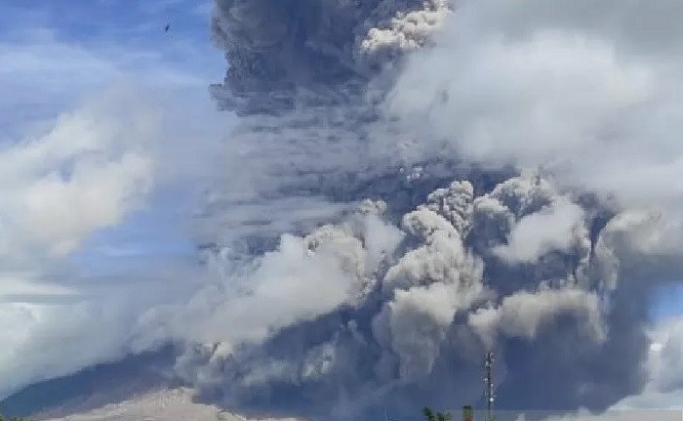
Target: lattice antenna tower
x,y
488,381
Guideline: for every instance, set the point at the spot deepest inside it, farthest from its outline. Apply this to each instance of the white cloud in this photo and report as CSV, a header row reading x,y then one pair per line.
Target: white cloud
x,y
304,278
51,330
549,86
666,357
85,174
73,171
66,176
664,389
555,228
286,288
15,286
524,314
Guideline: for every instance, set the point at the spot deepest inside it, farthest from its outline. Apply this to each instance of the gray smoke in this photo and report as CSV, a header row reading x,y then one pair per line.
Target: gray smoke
x,y
401,262
277,49
363,316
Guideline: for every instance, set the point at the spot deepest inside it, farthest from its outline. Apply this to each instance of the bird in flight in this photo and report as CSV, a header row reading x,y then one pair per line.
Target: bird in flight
x,y
167,27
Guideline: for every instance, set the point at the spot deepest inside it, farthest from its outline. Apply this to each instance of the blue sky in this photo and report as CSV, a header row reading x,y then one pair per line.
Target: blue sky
x,y
670,303
55,52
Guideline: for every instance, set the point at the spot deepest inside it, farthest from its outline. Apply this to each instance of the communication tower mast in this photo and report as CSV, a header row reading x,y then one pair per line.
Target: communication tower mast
x,y
488,381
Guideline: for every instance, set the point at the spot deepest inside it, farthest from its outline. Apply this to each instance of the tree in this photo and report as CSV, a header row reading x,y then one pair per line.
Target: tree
x,y
438,416
443,416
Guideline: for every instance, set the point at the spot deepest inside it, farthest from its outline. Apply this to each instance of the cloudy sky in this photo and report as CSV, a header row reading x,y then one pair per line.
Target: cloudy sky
x,y
105,128
68,59
107,136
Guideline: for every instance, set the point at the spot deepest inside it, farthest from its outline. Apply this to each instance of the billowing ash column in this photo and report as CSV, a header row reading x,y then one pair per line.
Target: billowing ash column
x,y
389,304
278,49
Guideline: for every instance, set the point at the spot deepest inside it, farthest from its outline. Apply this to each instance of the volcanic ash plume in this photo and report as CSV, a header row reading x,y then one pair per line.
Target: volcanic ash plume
x,y
362,314
276,48
363,268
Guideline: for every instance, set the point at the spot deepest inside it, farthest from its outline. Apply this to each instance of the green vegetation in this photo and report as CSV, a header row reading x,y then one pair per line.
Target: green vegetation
x,y
434,416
